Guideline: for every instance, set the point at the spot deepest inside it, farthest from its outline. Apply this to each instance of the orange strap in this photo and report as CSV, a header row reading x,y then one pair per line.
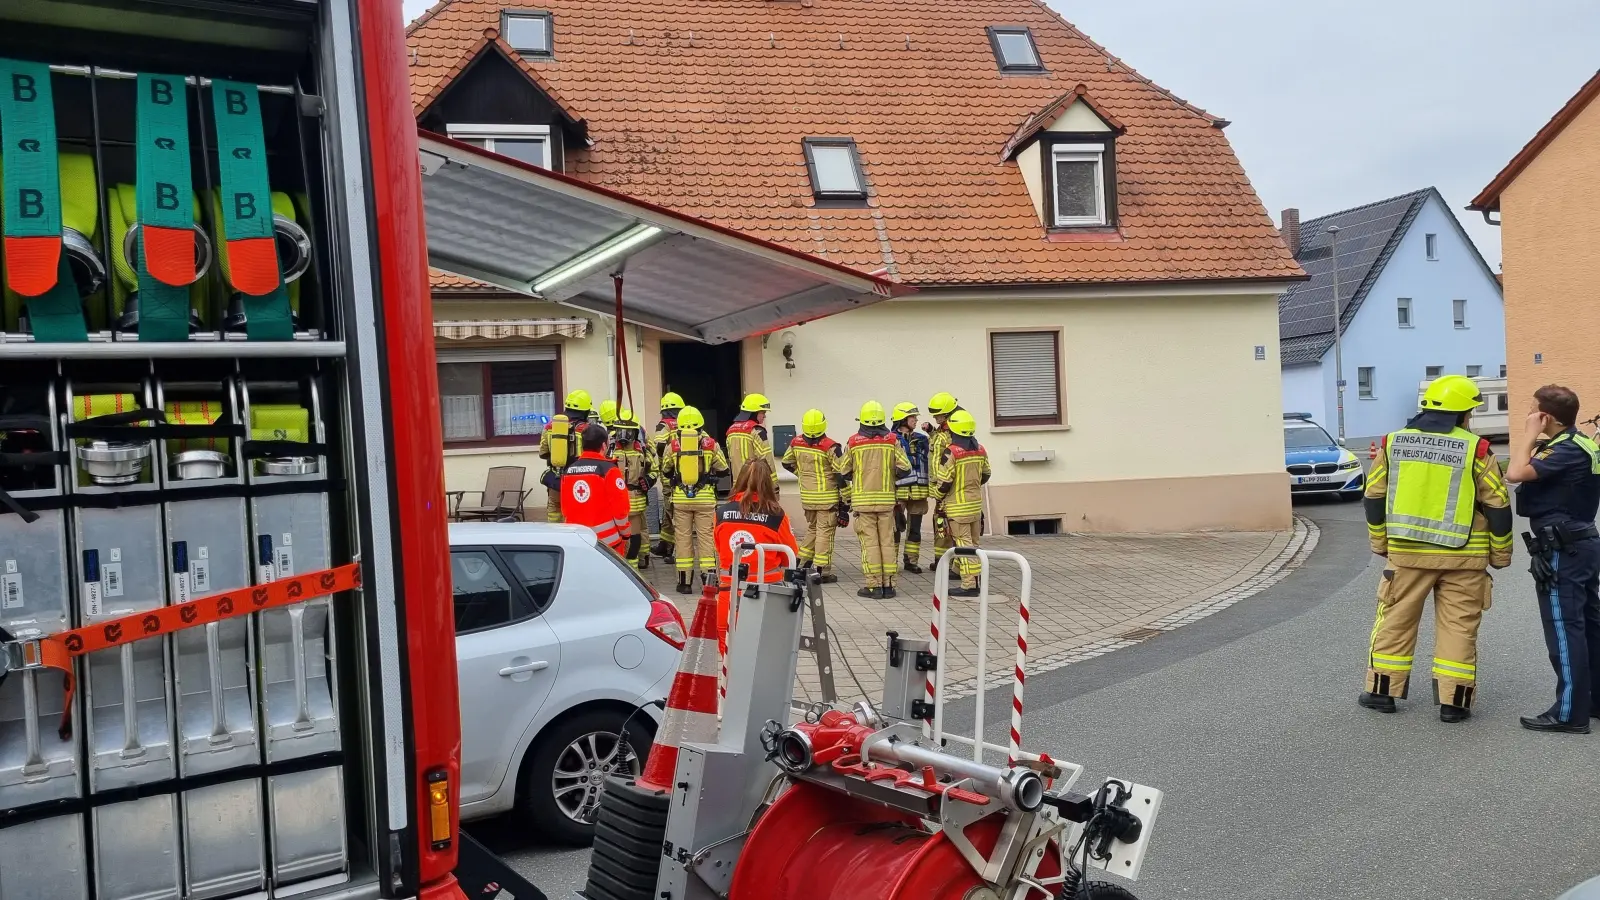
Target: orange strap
x,y
58,650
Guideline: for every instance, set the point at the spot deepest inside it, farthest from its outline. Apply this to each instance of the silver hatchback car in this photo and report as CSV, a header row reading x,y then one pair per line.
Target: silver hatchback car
x,y
565,657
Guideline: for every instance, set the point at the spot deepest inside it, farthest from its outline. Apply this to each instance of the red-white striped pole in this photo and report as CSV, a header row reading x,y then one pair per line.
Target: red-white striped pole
x,y
1020,679
933,648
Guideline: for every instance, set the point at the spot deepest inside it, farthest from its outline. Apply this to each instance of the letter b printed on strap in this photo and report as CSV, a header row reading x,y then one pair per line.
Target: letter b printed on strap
x,y
246,209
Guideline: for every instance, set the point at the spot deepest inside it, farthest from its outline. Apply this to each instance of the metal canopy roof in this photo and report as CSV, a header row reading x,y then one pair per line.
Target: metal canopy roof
x,y
547,235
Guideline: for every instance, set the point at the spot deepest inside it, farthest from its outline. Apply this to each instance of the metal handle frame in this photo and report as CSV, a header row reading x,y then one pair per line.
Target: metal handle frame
x,y
935,730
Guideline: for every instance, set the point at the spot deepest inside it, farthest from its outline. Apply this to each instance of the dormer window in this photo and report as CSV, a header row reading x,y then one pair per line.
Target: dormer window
x,y
1077,172
528,33
1014,50
1067,154
835,169
526,143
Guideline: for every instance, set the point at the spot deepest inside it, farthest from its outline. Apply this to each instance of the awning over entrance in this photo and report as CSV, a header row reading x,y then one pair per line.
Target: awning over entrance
x,y
547,235
508,329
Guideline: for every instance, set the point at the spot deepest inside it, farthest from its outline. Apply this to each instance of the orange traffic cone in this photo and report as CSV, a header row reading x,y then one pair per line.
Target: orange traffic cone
x,y
1372,451
691,715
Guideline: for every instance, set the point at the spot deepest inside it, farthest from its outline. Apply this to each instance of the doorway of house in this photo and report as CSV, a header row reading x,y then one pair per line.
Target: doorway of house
x,y
708,377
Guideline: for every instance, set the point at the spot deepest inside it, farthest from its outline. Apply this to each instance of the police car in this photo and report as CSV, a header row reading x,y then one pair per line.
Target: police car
x,y
1316,463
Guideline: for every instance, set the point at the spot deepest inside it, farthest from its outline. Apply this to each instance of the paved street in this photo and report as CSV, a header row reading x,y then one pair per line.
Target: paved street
x,y
1277,784
1089,592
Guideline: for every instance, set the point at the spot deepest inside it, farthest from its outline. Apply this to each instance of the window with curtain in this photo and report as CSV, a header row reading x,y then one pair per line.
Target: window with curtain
x,y
499,402
1025,368
1078,176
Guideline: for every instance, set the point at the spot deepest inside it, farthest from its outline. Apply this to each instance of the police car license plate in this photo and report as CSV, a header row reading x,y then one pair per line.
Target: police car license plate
x,y
1315,479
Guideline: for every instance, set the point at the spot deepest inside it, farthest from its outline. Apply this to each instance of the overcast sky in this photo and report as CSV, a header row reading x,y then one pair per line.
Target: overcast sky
x,y
1337,104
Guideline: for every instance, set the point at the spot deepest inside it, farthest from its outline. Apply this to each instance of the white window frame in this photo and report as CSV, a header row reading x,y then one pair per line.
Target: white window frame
x,y
1404,307
488,133
1095,153
1430,244
1368,391
1460,320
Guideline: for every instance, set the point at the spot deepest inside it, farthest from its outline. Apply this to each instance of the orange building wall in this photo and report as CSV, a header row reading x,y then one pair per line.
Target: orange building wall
x,y
1550,242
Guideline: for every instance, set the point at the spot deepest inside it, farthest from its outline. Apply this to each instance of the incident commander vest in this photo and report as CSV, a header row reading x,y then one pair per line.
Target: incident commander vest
x,y
1432,494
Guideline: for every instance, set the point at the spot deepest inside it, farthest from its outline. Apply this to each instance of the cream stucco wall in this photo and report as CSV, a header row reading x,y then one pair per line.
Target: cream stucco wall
x,y
1161,391
1079,118
1171,422
1550,246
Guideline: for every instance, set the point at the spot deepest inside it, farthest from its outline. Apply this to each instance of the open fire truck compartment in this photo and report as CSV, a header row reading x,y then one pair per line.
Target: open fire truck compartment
x,y
214,290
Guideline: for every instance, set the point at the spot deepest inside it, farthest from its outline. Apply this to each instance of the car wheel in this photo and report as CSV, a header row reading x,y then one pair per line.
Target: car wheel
x,y
569,763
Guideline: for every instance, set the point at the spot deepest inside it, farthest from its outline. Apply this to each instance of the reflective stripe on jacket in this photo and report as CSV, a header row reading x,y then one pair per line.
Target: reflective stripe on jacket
x,y
871,464
746,441
712,464
593,493
1426,499
959,479
938,443
735,526
1488,501
914,484
815,461
638,462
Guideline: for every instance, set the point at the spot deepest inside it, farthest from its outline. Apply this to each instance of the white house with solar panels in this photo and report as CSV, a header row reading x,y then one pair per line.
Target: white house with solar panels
x,y
1416,300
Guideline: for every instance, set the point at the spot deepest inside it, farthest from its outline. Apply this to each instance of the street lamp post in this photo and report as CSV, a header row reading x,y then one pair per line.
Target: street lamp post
x,y
1338,348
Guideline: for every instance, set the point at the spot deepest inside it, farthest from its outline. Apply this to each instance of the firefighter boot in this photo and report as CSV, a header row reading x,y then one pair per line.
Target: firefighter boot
x,y
683,583
870,593
1448,713
1380,702
911,566
826,575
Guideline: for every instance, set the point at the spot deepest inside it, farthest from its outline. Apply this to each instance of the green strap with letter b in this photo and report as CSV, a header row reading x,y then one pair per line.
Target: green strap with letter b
x,y
36,264
246,200
165,192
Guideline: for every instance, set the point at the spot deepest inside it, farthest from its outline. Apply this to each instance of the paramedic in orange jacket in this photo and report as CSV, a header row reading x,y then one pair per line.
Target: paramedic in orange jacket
x,y
751,515
594,493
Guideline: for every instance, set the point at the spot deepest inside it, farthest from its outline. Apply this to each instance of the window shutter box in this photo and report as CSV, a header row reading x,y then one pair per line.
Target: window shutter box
x,y
1025,375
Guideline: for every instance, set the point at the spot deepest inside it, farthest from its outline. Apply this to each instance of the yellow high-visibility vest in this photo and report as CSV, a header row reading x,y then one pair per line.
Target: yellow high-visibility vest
x,y
1432,494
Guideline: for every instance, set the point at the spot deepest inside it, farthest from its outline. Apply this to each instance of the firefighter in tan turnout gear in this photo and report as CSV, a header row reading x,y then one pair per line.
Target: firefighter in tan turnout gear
x,y
637,460
958,479
689,467
911,489
815,459
559,444
1438,508
671,405
872,462
747,436
940,406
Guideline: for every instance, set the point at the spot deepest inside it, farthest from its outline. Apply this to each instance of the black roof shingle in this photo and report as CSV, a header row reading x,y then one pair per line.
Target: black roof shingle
x,y
1368,236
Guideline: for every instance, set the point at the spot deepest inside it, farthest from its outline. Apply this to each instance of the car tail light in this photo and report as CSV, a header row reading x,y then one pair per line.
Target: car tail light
x,y
666,623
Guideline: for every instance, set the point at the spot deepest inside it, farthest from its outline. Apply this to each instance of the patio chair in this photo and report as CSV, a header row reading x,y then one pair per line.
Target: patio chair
x,y
501,499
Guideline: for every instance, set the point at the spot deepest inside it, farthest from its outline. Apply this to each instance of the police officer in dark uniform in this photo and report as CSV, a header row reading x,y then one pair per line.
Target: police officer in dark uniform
x,y
1558,475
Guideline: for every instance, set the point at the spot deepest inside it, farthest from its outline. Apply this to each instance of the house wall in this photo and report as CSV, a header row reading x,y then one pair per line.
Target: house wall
x,y
1400,356
1550,244
1171,422
1305,389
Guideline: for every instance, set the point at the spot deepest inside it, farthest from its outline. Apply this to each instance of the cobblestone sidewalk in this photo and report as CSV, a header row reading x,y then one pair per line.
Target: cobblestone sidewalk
x,y
1092,594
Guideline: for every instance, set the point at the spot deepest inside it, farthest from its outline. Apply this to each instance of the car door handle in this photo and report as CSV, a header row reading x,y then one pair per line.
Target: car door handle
x,y
508,671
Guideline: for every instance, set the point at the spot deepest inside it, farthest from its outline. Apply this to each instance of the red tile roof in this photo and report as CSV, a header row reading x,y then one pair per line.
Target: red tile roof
x,y
702,107
1489,197
1040,120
